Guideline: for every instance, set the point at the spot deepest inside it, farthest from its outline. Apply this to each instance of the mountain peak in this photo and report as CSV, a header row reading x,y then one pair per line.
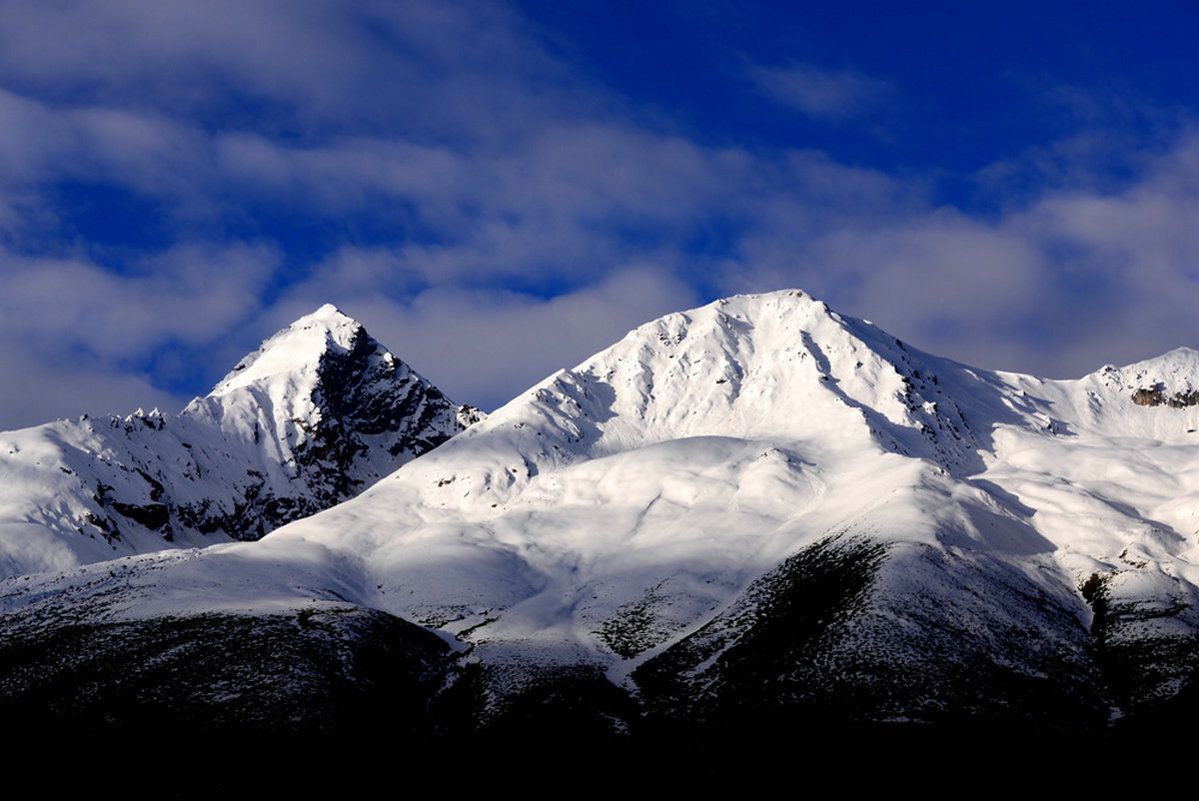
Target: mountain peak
x,y
327,317
756,510
319,411
327,310
295,349
337,409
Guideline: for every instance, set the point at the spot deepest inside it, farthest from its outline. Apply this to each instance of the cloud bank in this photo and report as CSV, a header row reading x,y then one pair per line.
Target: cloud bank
x,y
178,181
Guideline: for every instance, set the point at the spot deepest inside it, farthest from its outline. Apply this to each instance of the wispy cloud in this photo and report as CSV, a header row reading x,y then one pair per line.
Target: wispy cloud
x,y
485,346
832,95
493,214
72,323
1066,282
324,66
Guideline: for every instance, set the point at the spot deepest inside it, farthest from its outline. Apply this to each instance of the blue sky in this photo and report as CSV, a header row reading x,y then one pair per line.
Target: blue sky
x,y
499,190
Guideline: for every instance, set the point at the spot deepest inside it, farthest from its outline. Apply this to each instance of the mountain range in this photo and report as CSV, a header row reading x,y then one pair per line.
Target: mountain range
x,y
758,513
315,415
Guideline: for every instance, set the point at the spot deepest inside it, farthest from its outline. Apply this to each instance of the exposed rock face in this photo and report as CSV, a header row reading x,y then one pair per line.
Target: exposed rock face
x,y
311,418
1157,396
345,415
756,516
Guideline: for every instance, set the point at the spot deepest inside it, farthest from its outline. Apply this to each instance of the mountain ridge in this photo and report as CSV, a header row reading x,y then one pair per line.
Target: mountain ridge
x,y
317,412
756,510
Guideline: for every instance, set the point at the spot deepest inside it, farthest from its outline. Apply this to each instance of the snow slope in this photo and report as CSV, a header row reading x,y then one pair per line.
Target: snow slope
x,y
760,503
320,411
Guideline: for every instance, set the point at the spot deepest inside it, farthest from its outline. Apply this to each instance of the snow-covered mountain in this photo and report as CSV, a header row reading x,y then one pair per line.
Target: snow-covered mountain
x,y
759,510
316,414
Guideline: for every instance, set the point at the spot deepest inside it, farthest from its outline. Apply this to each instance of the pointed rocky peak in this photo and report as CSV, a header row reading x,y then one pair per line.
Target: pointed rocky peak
x,y
296,349
326,370
332,406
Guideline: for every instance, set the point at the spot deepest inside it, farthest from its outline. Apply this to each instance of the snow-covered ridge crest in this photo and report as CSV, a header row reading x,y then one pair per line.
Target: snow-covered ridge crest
x,y
317,413
719,419
1156,399
294,349
767,366
777,390
761,471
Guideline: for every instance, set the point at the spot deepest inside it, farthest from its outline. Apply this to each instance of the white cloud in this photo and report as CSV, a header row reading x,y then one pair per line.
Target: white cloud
x,y
484,346
425,65
1074,279
189,294
76,331
486,164
47,390
833,95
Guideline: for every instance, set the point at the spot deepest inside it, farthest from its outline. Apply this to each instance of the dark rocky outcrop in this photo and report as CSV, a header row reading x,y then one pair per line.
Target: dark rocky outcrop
x,y
1157,396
